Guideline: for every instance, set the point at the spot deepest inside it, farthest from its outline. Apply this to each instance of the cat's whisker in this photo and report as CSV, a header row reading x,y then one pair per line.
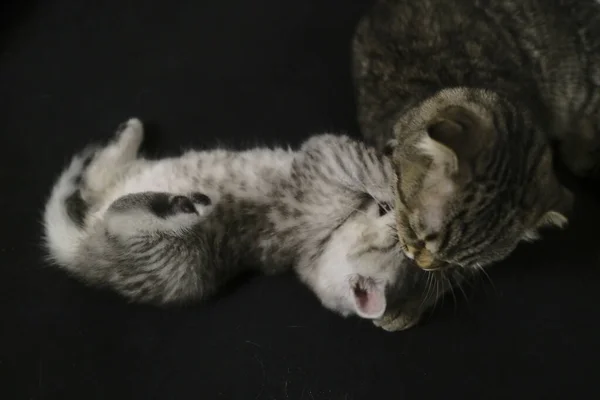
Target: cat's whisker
x,y
484,273
459,285
436,299
446,279
427,291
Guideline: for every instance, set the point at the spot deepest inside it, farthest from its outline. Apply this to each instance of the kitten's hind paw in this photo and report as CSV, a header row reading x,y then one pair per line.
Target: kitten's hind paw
x,y
165,206
130,134
83,160
72,175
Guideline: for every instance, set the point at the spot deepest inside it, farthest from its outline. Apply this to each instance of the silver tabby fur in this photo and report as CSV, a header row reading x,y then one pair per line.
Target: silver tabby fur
x,y
176,230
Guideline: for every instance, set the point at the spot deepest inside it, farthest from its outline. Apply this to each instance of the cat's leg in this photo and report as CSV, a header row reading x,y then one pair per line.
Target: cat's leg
x,y
110,161
580,149
399,319
416,292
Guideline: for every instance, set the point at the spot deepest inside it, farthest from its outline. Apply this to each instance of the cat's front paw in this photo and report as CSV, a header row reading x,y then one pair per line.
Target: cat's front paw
x,y
397,322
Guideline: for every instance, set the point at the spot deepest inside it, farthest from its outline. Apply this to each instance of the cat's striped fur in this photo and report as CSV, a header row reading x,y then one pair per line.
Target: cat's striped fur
x,y
469,95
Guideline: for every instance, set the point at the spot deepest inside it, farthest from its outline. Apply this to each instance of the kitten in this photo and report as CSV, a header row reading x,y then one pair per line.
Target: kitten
x,y
467,97
177,229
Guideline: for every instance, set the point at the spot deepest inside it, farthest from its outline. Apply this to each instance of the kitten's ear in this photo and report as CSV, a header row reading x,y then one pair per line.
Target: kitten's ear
x,y
369,298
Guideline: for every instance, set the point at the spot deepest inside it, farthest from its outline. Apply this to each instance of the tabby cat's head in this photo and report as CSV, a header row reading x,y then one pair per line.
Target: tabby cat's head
x,y
474,178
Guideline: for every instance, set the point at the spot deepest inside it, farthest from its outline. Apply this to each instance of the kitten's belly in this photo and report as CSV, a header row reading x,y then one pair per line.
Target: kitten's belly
x,y
252,175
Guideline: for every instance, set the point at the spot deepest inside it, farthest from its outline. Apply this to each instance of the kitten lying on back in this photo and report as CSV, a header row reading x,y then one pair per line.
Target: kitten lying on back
x,y
177,229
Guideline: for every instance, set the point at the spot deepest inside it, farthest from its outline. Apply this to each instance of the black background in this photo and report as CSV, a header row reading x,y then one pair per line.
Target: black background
x,y
241,73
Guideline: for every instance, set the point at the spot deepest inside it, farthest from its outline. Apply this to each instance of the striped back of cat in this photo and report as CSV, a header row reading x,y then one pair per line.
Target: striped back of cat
x,y
474,178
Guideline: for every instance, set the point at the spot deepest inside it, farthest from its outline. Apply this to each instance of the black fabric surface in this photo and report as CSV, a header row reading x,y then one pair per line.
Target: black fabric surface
x,y
241,73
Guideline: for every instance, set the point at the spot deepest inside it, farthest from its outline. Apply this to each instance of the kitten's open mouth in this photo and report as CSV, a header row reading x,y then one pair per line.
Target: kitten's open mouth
x,y
361,290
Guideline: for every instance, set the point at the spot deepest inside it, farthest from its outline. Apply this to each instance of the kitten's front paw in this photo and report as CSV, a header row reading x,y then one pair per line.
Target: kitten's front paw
x,y
196,203
397,322
182,204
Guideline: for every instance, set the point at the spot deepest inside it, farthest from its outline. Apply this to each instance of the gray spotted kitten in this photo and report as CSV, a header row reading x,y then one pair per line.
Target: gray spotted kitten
x,y
469,95
177,229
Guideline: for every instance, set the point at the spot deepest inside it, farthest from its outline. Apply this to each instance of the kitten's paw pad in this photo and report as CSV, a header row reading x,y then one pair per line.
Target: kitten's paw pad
x,y
400,322
182,204
201,198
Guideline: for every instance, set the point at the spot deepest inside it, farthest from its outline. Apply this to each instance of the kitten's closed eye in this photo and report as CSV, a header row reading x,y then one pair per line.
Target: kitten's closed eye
x,y
182,204
384,208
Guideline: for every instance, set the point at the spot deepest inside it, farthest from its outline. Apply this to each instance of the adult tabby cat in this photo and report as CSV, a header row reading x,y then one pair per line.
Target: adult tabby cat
x,y
469,95
177,229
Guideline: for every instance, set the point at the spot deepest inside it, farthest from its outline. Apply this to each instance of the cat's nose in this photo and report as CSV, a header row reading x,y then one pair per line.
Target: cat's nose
x,y
424,258
182,204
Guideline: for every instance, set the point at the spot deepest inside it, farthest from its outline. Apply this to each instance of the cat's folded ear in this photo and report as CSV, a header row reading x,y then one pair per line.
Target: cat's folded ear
x,y
369,297
454,137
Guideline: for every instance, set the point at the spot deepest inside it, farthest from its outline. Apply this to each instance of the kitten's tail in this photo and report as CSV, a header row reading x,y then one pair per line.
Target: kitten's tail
x,y
64,214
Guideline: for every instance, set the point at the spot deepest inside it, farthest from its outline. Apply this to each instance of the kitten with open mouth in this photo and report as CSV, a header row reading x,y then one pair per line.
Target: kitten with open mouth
x,y
177,229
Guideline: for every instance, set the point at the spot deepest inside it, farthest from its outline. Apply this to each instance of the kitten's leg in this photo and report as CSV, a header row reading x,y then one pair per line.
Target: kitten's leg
x,y
154,212
110,161
151,248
